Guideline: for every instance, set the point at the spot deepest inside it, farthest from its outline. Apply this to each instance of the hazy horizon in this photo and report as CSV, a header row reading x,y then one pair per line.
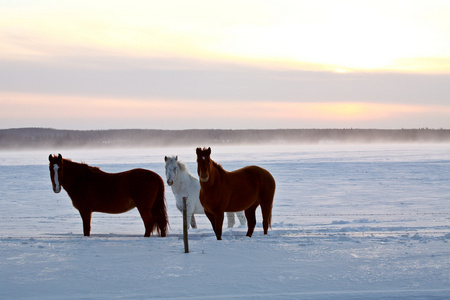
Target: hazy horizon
x,y
35,138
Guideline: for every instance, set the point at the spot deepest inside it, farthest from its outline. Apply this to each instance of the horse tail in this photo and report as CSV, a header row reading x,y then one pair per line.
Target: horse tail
x,y
271,202
267,197
159,211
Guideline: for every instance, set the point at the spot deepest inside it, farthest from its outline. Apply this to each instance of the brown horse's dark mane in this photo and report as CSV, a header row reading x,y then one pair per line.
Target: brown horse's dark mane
x,y
218,167
81,166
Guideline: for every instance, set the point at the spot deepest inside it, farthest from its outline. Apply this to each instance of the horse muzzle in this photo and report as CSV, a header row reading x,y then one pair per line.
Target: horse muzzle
x,y
170,182
204,178
57,189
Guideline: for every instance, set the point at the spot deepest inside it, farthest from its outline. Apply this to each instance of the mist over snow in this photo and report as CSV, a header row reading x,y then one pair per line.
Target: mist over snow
x,y
35,138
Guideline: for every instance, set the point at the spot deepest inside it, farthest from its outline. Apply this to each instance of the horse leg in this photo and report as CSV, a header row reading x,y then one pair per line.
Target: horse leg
x,y
86,217
241,217
267,216
216,222
147,218
266,209
250,213
230,218
218,227
190,208
211,219
162,225
193,223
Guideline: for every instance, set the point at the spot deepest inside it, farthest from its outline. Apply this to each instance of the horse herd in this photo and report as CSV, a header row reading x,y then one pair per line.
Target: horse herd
x,y
215,192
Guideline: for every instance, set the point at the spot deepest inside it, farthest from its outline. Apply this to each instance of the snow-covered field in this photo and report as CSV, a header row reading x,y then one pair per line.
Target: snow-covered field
x,y
349,222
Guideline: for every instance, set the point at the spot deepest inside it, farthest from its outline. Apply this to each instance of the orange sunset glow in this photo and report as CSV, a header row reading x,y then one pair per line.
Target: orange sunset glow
x,y
203,64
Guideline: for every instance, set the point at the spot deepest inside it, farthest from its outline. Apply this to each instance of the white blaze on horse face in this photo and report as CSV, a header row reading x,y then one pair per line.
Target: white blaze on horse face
x,y
57,187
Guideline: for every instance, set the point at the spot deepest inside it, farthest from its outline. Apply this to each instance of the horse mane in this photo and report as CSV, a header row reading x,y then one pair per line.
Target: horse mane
x,y
82,166
218,167
182,166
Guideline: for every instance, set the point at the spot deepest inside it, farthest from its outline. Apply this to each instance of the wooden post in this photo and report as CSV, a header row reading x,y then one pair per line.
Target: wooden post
x,y
185,227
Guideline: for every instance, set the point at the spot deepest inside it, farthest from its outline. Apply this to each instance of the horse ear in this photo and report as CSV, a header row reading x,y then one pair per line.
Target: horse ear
x,y
209,151
176,157
165,158
198,151
59,157
50,157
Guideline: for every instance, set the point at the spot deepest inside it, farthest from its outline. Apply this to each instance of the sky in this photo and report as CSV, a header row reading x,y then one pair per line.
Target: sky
x,y
201,64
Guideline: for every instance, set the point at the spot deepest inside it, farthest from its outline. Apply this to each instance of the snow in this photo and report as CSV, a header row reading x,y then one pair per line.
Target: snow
x,y
349,222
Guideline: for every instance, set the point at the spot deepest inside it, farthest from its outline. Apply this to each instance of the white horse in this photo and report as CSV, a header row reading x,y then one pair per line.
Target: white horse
x,y
184,184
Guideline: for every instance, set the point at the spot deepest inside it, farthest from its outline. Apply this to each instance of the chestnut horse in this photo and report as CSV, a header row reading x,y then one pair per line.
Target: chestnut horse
x,y
93,190
243,189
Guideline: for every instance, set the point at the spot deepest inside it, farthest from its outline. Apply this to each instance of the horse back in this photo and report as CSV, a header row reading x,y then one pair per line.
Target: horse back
x,y
141,183
253,176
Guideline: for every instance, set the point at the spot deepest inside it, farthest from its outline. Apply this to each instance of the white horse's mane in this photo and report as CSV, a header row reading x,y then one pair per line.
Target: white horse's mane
x,y
183,167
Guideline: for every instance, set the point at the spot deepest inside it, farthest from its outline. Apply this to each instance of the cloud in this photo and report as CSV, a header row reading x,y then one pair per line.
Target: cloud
x,y
341,35
182,79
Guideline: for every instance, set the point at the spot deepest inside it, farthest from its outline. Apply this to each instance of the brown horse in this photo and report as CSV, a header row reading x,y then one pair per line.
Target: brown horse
x,y
243,189
93,190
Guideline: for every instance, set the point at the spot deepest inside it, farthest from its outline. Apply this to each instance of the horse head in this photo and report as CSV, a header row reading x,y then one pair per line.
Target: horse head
x,y
56,171
171,169
203,164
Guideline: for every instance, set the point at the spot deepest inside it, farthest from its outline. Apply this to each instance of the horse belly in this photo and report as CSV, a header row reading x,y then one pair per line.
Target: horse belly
x,y
112,198
115,205
241,200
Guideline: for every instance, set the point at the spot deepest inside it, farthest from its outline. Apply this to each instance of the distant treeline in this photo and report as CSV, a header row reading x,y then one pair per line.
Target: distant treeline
x,y
33,138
